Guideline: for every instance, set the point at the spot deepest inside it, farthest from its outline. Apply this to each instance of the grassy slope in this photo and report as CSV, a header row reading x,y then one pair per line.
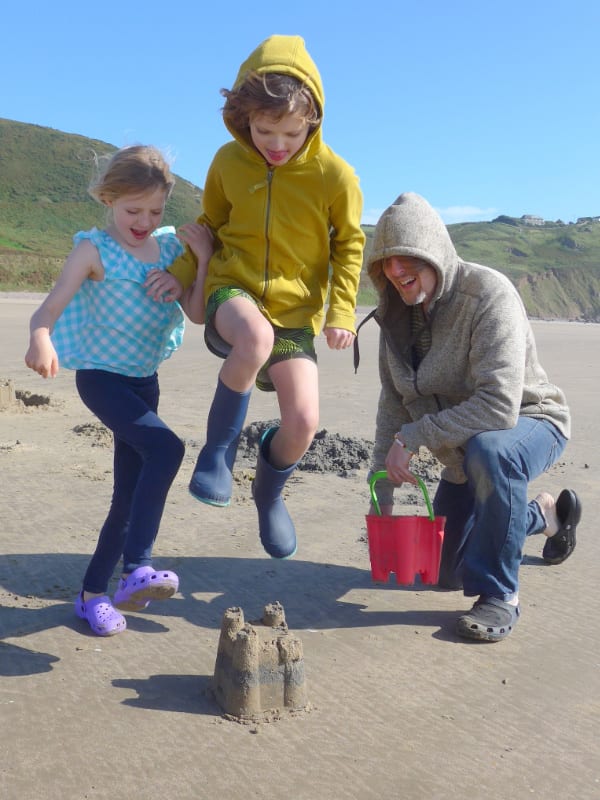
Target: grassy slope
x,y
556,267
44,175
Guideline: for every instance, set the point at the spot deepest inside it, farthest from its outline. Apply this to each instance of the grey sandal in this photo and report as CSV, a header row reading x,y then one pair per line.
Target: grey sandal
x,y
490,620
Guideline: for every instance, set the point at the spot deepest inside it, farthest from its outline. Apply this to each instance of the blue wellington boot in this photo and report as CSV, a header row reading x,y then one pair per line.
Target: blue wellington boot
x,y
212,480
277,532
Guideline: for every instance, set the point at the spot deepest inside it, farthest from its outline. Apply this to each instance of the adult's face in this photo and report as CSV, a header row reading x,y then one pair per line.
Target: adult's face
x,y
415,280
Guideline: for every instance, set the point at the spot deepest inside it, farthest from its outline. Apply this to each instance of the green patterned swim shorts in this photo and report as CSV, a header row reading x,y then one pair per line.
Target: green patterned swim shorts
x,y
289,342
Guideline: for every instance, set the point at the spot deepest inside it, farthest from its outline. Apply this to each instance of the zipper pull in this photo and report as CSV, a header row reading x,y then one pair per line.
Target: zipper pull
x,y
262,184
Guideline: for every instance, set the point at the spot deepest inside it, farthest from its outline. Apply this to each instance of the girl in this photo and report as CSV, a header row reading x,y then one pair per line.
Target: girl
x,y
285,212
101,321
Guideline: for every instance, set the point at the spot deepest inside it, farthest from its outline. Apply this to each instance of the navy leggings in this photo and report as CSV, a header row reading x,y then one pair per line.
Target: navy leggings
x,y
147,457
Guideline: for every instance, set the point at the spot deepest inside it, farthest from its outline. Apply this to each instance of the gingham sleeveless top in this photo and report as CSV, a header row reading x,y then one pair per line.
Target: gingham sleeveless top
x,y
112,324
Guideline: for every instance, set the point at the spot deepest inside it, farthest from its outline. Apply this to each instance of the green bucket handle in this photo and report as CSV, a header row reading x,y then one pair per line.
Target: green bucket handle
x,y
377,476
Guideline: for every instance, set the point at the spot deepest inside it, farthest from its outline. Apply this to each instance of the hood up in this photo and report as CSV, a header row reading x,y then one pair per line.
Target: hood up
x,y
285,55
411,227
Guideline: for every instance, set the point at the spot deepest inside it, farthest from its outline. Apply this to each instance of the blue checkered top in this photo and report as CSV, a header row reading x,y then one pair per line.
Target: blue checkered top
x,y
112,324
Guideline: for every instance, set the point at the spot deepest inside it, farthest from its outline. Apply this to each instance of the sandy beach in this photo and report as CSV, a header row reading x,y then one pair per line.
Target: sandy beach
x,y
399,706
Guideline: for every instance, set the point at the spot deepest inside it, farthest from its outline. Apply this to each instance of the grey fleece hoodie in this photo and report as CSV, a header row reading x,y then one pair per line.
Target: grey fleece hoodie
x,y
482,371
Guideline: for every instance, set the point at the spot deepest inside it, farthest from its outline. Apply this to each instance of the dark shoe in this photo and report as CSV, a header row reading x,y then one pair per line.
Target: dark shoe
x,y
560,546
212,480
277,531
490,620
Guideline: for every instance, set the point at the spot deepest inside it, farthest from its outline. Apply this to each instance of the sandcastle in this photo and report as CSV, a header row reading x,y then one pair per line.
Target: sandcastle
x,y
7,394
260,666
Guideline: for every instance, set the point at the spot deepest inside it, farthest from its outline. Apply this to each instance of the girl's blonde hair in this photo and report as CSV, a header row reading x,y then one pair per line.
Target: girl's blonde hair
x,y
131,170
269,93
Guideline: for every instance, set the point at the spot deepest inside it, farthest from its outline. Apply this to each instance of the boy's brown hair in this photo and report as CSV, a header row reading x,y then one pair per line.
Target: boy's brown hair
x,y
269,93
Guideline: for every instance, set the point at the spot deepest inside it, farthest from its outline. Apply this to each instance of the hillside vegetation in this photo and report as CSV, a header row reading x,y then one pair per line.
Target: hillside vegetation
x,y
44,175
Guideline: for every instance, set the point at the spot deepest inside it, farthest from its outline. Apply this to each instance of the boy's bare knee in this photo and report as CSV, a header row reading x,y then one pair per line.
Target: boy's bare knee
x,y
303,429
254,346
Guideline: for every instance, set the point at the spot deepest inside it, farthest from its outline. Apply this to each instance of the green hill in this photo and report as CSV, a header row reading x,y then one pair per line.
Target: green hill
x,y
555,266
44,175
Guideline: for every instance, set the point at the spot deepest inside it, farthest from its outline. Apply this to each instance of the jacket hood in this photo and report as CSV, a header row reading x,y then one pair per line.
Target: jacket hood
x,y
286,55
411,227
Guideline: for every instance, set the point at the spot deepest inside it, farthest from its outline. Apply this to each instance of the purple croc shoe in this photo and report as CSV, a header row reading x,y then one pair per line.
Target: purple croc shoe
x,y
103,619
144,584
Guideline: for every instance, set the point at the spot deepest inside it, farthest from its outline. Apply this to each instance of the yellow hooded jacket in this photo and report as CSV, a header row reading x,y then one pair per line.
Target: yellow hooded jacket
x,y
278,229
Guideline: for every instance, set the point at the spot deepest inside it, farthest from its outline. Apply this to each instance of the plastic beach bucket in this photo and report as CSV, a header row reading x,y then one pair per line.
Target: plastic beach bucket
x,y
405,545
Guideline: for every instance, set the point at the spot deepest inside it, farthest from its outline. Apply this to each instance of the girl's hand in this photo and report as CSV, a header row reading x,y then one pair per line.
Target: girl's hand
x,y
338,338
200,240
162,286
41,356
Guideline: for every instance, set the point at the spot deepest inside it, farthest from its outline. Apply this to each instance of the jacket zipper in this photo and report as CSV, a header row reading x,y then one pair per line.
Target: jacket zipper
x,y
268,244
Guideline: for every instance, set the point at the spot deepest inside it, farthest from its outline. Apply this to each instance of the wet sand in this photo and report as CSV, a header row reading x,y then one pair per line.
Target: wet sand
x,y
399,706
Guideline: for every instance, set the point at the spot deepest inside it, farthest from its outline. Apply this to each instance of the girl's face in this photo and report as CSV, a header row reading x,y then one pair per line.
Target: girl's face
x,y
278,140
136,216
414,279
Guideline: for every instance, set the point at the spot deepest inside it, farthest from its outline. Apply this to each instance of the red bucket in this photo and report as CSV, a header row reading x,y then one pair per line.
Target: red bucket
x,y
405,545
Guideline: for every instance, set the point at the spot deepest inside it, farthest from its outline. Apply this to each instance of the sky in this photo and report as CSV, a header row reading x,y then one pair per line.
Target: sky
x,y
484,108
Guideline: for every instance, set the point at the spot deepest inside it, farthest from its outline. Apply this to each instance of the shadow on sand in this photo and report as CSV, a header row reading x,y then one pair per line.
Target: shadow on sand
x,y
311,593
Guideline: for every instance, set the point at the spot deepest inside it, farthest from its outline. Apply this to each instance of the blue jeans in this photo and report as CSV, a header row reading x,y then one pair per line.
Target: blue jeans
x,y
147,457
488,517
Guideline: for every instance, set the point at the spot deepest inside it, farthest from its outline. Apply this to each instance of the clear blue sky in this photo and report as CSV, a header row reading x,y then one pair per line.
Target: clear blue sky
x,y
485,108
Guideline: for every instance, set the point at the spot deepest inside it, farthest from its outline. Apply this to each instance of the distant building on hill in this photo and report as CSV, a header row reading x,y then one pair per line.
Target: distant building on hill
x,y
532,219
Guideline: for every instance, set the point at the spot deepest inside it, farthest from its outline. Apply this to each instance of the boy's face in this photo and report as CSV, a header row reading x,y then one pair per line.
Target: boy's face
x,y
278,140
